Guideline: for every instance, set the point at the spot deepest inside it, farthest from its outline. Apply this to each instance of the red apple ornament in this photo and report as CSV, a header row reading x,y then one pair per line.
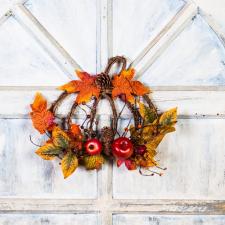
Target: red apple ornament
x,y
122,148
140,149
93,146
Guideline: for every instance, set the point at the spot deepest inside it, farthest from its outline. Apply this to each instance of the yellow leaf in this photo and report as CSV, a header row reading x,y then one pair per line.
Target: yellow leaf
x,y
93,162
147,113
168,118
48,151
60,138
148,132
153,144
40,103
69,164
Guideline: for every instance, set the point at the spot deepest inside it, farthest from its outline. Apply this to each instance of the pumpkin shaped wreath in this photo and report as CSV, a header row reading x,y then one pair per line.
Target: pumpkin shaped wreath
x,y
87,145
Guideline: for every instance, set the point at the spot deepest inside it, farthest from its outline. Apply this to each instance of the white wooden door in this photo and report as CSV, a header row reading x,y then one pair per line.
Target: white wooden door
x,y
177,47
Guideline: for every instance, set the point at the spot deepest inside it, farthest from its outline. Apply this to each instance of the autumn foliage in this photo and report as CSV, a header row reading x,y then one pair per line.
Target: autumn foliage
x,y
43,119
66,139
85,87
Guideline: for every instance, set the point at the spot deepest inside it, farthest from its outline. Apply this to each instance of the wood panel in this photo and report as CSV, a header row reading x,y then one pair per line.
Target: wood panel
x,y
24,174
73,24
135,24
167,220
194,156
196,104
48,219
24,62
195,57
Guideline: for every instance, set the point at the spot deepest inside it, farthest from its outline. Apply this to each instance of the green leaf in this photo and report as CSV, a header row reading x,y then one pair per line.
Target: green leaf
x,y
48,151
69,164
60,138
148,114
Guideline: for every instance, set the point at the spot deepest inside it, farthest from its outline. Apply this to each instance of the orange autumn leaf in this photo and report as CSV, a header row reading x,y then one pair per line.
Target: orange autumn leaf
x,y
75,129
85,87
43,119
76,136
123,84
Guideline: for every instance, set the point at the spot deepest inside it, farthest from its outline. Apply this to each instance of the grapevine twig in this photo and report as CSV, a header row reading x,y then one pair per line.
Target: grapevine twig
x,y
114,111
58,101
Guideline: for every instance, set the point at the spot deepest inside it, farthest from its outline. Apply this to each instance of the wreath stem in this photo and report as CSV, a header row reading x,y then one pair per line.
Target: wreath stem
x,y
68,120
92,116
114,111
58,101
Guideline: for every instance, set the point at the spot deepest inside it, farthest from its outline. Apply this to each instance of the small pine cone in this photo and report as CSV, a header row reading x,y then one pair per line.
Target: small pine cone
x,y
93,162
103,81
107,137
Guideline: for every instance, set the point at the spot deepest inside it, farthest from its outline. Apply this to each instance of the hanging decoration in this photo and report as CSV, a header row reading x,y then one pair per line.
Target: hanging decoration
x,y
87,145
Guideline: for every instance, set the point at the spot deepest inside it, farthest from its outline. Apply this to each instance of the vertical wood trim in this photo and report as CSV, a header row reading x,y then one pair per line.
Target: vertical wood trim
x,y
110,27
98,36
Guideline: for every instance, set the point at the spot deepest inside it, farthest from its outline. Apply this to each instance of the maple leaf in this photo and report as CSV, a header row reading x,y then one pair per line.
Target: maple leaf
x,y
85,87
43,119
124,85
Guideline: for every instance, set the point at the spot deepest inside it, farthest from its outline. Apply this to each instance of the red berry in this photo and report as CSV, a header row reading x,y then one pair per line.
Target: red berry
x,y
93,146
140,149
122,147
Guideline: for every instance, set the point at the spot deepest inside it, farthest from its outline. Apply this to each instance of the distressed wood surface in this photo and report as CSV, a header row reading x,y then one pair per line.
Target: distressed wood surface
x,y
73,24
24,174
49,219
168,220
196,104
195,57
21,49
136,24
194,156
179,52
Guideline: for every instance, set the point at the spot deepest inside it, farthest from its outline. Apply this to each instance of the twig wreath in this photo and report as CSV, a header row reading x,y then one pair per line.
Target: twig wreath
x,y
84,144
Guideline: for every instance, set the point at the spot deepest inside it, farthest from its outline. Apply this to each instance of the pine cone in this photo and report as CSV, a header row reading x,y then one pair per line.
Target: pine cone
x,y
103,81
107,137
93,162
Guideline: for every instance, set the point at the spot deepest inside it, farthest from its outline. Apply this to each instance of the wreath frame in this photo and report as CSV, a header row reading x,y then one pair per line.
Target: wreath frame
x,y
69,141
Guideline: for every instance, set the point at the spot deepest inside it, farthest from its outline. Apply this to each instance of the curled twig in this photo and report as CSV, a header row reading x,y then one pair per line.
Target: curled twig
x,y
56,104
113,60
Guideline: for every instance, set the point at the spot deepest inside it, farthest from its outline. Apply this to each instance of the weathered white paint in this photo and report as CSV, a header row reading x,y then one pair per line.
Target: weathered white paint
x,y
24,174
215,10
167,220
17,49
73,24
35,58
190,103
135,24
49,219
200,62
194,156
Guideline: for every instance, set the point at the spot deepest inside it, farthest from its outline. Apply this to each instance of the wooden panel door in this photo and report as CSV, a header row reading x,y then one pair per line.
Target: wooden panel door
x,y
177,47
